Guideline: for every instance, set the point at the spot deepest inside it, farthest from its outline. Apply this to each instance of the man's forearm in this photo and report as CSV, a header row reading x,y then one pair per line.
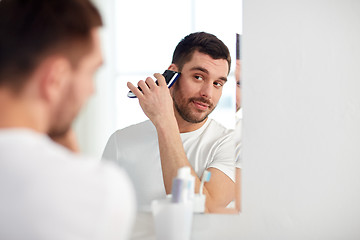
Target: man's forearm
x,y
172,152
173,157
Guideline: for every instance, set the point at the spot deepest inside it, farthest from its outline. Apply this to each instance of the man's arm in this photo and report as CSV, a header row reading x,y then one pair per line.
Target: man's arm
x,y
157,104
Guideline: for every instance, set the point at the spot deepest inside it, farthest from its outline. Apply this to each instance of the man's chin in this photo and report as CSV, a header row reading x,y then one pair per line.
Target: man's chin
x,y
58,132
197,119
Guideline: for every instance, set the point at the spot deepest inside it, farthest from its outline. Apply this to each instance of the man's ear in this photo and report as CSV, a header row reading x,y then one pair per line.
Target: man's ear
x,y
173,67
54,78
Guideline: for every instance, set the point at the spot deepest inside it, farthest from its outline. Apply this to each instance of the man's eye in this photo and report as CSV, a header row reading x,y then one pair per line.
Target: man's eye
x,y
199,77
218,84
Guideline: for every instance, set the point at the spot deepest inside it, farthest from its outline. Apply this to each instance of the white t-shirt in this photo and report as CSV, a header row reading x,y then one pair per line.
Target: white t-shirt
x,y
238,138
136,149
47,192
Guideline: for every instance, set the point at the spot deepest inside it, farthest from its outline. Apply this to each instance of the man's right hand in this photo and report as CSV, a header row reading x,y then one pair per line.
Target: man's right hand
x,y
155,100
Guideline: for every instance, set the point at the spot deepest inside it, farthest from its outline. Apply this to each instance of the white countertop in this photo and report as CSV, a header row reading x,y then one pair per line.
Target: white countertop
x,y
205,226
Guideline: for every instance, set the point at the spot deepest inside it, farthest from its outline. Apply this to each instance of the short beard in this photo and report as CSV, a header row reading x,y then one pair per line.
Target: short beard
x,y
186,114
58,132
62,121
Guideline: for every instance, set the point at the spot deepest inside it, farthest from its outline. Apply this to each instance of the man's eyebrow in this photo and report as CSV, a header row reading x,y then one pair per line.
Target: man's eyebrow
x,y
223,79
200,69
207,72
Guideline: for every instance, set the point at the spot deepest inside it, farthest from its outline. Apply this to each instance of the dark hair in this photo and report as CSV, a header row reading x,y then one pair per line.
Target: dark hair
x,y
31,30
203,42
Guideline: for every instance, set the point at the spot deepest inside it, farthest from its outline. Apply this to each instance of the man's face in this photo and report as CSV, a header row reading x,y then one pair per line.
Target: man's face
x,y
78,89
199,88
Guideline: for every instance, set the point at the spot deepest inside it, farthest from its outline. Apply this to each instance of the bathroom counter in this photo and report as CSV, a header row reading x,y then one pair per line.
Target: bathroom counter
x,y
205,226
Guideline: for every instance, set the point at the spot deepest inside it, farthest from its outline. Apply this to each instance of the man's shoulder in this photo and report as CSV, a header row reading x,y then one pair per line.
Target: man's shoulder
x,y
211,133
60,182
135,132
86,167
217,128
41,156
141,126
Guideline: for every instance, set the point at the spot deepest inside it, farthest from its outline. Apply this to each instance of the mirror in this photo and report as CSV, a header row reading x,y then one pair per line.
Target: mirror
x,y
144,43
140,41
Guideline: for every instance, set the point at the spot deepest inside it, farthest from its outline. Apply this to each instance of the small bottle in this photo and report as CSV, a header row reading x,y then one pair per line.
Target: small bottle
x,y
183,187
200,199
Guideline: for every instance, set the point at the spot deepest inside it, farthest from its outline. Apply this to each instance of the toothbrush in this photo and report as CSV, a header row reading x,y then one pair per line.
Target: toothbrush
x,y
205,178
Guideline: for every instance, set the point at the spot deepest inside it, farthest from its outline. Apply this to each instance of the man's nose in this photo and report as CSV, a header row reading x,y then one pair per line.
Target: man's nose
x,y
207,90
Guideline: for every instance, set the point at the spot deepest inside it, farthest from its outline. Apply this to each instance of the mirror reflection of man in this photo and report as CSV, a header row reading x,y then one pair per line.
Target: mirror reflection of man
x,y
238,137
238,114
180,132
49,52
238,126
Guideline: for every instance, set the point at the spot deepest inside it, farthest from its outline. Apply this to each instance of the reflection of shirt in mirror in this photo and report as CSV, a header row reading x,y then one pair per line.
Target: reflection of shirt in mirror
x,y
237,137
136,149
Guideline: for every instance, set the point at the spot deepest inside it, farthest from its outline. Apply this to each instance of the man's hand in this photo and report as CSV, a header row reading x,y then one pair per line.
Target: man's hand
x,y
155,100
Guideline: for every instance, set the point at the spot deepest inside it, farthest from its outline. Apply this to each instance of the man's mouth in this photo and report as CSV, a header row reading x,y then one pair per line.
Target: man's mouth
x,y
201,105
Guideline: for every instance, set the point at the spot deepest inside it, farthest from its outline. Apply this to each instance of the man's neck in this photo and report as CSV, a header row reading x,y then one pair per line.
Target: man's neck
x,y
185,126
16,112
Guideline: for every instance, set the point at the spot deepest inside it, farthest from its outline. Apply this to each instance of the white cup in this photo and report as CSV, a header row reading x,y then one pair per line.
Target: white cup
x,y
172,220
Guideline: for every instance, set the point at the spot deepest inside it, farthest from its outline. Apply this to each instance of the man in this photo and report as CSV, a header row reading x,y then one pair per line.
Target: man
x,y
180,133
238,127
49,52
238,114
